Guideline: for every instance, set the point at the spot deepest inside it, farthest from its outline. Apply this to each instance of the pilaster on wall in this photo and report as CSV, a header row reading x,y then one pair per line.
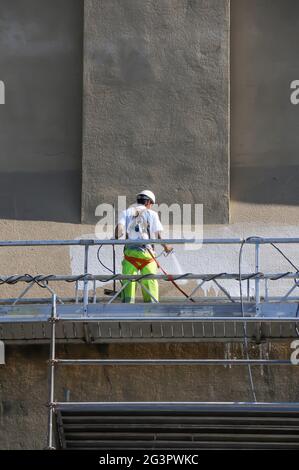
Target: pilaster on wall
x,y
156,100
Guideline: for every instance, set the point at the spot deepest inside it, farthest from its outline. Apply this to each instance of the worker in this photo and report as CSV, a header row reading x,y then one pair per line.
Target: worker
x,y
140,222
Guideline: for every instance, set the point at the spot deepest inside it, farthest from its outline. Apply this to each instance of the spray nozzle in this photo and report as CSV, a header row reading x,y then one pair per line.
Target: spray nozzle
x,y
167,253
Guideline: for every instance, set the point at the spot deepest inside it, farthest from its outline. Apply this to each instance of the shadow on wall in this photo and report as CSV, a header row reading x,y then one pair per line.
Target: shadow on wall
x,y
259,185
264,122
41,196
41,55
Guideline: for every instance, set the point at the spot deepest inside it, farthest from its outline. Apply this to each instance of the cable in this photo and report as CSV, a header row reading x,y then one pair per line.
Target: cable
x,y
245,323
296,282
242,304
41,280
285,256
45,278
170,278
101,263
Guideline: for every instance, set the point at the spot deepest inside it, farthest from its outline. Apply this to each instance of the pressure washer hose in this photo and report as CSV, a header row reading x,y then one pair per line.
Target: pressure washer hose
x,y
169,277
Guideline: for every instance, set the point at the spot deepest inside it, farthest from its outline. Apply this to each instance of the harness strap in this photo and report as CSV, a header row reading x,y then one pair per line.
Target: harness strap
x,y
138,263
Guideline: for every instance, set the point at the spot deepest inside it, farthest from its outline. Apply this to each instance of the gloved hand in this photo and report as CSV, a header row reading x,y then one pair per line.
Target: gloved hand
x,y
168,249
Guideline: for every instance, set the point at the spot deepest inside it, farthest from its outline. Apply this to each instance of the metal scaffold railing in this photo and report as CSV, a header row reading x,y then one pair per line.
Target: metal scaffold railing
x,y
43,280
220,317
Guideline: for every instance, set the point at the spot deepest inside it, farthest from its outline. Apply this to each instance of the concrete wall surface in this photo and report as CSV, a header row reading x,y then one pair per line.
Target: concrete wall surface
x,y
156,80
41,121
23,382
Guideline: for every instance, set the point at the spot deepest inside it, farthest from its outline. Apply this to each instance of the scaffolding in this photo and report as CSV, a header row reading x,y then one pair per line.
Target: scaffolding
x,y
167,425
92,319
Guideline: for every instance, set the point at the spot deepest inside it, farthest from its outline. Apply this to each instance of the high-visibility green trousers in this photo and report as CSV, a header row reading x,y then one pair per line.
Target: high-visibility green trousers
x,y
150,285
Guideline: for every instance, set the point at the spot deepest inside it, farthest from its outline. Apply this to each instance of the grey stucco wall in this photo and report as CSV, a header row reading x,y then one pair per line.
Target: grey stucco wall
x,y
264,123
24,388
41,46
156,80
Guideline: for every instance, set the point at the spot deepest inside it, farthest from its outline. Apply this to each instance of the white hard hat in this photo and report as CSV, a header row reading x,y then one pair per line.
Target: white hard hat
x,y
148,194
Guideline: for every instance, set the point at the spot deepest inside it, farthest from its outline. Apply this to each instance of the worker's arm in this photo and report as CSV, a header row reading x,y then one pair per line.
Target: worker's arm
x,y
157,229
120,228
119,231
167,248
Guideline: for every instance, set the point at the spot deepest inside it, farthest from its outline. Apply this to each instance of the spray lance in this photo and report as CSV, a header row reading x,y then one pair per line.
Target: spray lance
x,y
169,276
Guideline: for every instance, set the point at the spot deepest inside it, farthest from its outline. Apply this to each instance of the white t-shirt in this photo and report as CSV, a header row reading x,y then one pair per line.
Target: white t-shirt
x,y
149,228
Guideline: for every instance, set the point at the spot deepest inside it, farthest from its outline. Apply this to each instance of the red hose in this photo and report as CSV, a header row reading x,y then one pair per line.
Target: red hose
x,y
169,277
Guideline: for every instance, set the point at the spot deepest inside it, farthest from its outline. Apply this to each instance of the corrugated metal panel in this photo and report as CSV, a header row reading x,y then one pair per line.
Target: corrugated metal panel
x,y
177,426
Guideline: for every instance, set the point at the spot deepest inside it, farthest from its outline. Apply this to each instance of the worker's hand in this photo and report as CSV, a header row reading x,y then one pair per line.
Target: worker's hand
x,y
168,249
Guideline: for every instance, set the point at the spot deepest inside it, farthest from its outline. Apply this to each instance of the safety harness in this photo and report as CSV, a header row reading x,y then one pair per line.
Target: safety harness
x,y
138,263
140,225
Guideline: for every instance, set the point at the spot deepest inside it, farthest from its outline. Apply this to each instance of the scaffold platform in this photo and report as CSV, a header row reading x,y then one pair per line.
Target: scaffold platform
x,y
221,321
